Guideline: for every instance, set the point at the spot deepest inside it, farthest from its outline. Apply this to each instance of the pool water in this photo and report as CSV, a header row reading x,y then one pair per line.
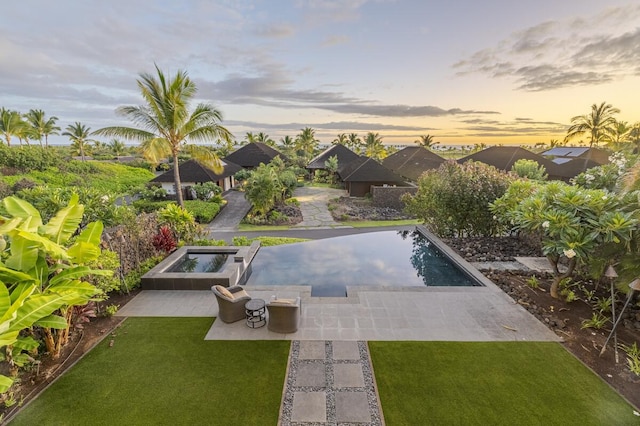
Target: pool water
x,y
386,258
200,262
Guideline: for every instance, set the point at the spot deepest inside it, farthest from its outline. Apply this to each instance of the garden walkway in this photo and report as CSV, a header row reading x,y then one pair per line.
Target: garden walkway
x,y
313,204
230,216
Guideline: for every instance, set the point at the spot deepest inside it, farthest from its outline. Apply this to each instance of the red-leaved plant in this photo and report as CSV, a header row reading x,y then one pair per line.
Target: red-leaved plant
x,y
164,240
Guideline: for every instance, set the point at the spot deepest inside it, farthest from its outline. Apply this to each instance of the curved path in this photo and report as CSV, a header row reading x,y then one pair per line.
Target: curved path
x,y
313,204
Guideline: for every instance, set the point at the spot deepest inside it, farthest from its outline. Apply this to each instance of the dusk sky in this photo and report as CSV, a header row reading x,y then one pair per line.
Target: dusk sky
x,y
493,71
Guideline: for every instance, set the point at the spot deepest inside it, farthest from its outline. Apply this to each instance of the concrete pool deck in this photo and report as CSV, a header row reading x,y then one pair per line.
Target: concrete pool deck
x,y
369,313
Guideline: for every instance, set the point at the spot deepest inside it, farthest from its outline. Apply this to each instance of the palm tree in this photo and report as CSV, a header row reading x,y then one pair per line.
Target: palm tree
x,y
341,139
373,146
426,141
166,123
287,142
11,124
306,141
265,139
42,127
620,135
249,137
598,125
354,142
117,147
554,143
79,134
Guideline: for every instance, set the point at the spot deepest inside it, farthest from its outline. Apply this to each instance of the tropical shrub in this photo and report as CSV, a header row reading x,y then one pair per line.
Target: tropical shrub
x,y
147,206
453,200
132,279
606,176
28,158
263,189
180,220
573,223
108,261
41,277
202,211
205,191
164,241
529,169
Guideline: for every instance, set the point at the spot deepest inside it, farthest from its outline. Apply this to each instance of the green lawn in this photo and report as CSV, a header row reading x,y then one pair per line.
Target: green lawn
x,y
160,371
513,383
380,223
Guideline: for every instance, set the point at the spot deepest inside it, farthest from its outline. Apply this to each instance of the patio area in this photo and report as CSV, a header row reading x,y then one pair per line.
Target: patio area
x,y
368,313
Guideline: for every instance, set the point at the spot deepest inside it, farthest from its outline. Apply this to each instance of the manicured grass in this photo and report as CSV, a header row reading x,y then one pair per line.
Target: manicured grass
x,y
160,371
512,383
380,223
271,241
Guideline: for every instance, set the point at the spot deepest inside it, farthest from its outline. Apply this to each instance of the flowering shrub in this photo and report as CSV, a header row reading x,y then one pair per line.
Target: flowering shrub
x,y
453,200
606,176
574,223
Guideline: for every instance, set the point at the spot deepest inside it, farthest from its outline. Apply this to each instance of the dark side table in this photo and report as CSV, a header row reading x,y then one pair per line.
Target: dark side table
x,y
256,312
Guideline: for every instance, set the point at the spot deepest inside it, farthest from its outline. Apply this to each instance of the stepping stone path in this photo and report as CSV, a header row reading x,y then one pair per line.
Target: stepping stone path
x,y
330,383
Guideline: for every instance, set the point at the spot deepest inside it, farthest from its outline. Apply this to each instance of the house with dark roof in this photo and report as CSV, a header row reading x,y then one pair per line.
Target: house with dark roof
x,y
362,173
412,161
252,154
342,153
192,173
564,154
504,157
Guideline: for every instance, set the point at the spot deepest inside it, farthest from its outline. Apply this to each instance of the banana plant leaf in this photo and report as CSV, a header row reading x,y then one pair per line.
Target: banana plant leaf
x,y
17,207
65,223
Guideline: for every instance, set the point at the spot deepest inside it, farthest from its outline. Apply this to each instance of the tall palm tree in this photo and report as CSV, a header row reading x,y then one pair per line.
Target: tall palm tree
x,y
554,143
341,139
598,125
11,124
166,124
41,126
354,142
373,146
426,141
79,134
306,141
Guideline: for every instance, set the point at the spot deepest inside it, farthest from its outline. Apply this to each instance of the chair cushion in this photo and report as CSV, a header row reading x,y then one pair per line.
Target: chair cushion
x,y
223,291
283,301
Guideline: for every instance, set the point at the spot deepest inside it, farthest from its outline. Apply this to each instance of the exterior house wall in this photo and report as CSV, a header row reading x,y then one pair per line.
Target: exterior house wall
x,y
226,184
389,196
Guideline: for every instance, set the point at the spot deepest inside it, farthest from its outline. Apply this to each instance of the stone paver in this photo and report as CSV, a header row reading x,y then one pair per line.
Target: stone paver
x,y
313,204
309,407
352,407
347,394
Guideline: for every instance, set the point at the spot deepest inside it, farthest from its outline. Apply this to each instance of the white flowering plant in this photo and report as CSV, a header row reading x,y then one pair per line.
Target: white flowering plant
x,y
573,223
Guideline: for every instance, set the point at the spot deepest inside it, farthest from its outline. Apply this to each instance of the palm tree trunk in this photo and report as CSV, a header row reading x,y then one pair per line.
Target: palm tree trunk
x,y
176,179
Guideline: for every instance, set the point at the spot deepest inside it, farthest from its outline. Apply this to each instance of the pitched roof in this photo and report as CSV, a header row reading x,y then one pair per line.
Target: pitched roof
x,y
503,157
572,168
412,161
193,171
344,154
252,154
597,155
365,169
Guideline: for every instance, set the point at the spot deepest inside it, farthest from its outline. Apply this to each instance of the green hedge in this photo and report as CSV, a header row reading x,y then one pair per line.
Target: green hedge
x,y
202,211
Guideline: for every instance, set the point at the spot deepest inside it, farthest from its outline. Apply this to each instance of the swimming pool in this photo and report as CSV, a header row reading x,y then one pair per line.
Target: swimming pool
x,y
386,258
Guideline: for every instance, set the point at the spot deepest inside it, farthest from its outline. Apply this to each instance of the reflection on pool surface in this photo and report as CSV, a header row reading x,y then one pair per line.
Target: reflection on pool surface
x,y
387,258
200,262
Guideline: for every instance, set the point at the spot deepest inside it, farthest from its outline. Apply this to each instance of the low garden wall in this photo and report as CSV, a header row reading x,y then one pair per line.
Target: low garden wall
x,y
389,196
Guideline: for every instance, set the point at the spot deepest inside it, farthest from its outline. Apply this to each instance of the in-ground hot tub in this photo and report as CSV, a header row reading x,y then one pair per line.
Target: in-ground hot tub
x,y
199,268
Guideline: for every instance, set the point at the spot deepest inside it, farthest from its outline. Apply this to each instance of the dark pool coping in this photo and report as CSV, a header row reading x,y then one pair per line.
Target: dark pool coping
x,y
233,272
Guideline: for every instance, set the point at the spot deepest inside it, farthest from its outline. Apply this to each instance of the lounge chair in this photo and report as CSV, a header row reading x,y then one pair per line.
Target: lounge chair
x,y
284,315
231,302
